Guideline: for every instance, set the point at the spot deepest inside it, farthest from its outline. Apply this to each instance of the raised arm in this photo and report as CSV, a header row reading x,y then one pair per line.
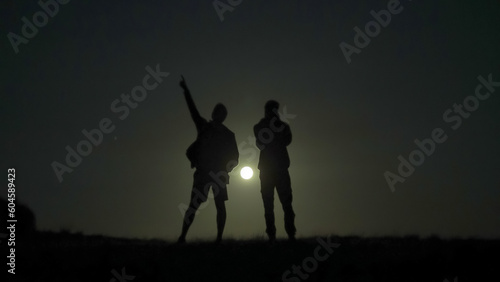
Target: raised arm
x,y
195,115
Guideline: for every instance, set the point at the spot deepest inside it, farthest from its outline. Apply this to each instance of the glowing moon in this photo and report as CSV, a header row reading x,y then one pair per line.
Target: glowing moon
x,y
246,172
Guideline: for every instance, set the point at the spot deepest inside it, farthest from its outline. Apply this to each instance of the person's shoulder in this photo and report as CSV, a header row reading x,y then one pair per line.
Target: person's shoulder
x,y
262,123
227,130
201,121
220,127
202,125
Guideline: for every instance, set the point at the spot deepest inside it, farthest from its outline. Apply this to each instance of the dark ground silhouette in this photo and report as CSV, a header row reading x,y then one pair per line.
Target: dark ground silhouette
x,y
75,257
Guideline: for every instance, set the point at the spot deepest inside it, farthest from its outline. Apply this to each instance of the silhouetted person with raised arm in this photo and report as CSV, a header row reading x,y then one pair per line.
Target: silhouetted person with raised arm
x,y
273,136
214,154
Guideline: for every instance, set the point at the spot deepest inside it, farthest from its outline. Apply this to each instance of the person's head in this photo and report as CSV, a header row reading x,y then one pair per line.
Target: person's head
x,y
271,108
219,113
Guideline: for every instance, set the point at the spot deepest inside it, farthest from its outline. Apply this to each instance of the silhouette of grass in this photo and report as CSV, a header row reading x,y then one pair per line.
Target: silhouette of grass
x,y
67,256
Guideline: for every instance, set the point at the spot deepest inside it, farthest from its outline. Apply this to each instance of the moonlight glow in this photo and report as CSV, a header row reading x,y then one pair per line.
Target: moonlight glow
x,y
246,172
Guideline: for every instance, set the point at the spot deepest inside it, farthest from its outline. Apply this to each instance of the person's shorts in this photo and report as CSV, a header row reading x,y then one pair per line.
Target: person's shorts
x,y
202,183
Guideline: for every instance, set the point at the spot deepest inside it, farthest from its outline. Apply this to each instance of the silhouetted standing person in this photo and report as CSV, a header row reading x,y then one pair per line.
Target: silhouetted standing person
x,y
214,154
273,136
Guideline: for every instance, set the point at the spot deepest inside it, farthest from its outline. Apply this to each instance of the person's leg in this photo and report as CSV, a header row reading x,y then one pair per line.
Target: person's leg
x,y
198,196
221,218
220,198
267,191
284,189
189,217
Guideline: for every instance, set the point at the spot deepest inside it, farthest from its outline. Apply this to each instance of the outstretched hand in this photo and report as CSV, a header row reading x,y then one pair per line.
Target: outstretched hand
x,y
182,83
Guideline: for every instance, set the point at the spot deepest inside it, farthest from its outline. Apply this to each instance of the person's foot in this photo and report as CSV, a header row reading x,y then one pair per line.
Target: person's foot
x,y
181,240
218,240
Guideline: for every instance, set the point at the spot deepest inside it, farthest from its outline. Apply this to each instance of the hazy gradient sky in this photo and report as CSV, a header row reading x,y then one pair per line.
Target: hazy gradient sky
x,y
350,121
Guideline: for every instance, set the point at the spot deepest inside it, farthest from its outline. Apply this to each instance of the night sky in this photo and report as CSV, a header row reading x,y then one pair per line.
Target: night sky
x,y
350,121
